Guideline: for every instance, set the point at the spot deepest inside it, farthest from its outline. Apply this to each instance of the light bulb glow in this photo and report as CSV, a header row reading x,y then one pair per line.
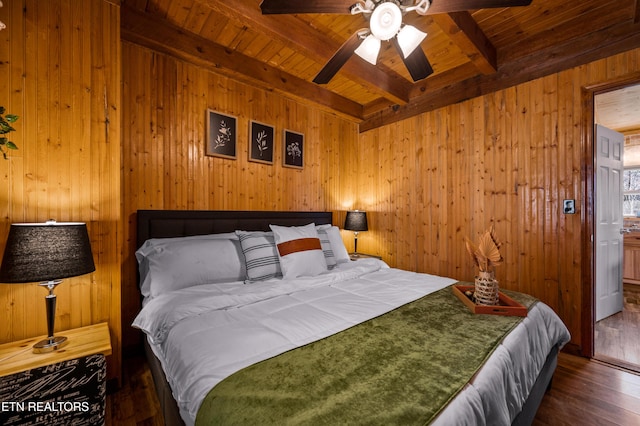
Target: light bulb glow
x,y
369,49
409,38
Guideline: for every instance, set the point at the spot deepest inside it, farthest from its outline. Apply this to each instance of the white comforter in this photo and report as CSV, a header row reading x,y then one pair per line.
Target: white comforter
x,y
203,334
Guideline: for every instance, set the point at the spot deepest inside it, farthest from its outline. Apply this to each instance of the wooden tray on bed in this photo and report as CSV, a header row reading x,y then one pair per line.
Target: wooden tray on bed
x,y
507,305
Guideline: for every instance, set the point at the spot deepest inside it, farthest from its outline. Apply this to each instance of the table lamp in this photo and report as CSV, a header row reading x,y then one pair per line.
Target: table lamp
x,y
46,253
356,221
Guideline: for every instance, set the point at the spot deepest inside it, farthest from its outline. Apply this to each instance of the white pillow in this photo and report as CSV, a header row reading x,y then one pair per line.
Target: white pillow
x,y
176,263
152,242
329,257
337,244
299,250
260,254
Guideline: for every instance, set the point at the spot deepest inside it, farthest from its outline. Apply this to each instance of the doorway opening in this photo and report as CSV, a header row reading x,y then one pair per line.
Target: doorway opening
x,y
616,337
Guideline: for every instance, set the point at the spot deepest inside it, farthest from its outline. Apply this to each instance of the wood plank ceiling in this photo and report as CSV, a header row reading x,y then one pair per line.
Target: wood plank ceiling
x,y
472,53
620,110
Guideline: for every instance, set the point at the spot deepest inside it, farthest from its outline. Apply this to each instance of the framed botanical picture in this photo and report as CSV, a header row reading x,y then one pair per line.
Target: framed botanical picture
x,y
293,149
221,135
260,142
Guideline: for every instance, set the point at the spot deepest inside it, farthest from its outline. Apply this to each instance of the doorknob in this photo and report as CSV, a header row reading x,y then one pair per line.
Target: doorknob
x,y
625,230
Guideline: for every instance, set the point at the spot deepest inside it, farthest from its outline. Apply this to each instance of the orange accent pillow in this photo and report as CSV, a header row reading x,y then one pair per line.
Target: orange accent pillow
x,y
299,250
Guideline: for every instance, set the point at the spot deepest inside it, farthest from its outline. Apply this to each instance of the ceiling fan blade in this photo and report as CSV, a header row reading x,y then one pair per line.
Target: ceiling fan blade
x,y
417,62
446,6
338,59
271,7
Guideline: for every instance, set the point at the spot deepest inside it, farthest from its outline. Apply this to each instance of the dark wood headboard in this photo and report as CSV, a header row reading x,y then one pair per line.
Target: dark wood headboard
x,y
182,223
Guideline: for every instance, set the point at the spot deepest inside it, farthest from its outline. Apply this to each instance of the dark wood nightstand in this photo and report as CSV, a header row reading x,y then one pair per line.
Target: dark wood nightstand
x,y
66,386
356,256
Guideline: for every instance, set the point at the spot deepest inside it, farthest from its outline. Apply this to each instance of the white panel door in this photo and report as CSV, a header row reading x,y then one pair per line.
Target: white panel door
x,y
609,222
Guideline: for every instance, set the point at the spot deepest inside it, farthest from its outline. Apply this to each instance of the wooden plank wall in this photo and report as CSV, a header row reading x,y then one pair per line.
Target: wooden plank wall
x,y
60,68
509,159
164,161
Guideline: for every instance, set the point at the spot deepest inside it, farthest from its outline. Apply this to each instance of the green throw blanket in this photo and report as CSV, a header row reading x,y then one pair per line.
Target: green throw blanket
x,y
399,368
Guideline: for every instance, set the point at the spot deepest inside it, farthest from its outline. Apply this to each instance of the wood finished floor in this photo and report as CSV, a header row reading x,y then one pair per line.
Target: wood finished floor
x,y
584,392
617,338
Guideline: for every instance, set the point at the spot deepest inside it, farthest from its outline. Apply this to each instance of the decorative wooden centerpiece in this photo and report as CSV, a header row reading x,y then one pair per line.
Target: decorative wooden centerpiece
x,y
486,255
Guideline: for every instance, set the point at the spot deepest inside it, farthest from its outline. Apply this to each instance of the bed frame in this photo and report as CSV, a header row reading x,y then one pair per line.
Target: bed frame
x,y
180,223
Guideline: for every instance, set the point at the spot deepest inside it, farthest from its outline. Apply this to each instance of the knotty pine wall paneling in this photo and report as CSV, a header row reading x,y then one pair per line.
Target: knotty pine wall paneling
x,y
510,159
60,68
165,166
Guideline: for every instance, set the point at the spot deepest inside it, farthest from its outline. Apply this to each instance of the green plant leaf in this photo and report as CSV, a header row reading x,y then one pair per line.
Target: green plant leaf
x,y
5,128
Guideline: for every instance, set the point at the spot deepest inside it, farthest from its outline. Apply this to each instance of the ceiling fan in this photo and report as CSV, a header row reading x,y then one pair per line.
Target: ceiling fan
x,y
385,24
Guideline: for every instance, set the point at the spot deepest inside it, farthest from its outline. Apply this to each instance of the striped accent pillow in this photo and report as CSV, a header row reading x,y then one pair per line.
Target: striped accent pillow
x,y
337,245
261,255
325,243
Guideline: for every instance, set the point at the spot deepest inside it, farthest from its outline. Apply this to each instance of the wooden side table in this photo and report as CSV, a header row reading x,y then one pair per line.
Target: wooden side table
x,y
67,386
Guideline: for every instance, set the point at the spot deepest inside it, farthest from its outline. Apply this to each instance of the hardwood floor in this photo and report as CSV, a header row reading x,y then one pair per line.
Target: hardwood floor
x,y
584,392
135,403
617,338
589,393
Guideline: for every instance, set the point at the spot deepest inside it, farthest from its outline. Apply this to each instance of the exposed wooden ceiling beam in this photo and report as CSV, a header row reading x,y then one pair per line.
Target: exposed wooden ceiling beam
x,y
439,81
316,45
545,61
465,32
161,36
434,83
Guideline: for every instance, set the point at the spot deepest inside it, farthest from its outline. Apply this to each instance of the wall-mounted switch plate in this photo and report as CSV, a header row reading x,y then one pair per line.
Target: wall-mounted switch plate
x,y
569,207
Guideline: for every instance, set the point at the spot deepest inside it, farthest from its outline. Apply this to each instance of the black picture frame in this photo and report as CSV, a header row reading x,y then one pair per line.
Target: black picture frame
x,y
221,135
261,142
293,149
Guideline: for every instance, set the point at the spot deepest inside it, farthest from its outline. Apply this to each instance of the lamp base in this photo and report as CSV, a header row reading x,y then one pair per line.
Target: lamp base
x,y
49,344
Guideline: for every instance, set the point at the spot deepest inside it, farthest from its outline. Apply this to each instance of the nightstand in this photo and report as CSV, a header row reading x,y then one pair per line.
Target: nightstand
x,y
356,256
67,386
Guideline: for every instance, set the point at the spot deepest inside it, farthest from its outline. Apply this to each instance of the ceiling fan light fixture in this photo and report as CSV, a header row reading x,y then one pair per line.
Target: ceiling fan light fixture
x,y
386,20
369,49
409,38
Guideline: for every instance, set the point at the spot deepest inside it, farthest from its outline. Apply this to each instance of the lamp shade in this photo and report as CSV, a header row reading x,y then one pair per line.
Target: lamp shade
x,y
409,38
356,221
369,49
46,251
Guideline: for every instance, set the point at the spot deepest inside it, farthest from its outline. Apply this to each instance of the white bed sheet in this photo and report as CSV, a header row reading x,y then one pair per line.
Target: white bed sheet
x,y
203,334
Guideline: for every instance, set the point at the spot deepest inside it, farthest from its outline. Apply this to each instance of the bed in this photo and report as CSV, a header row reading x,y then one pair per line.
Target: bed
x,y
231,341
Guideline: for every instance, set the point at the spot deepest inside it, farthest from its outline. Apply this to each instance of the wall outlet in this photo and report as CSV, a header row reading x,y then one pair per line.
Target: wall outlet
x,y
569,207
